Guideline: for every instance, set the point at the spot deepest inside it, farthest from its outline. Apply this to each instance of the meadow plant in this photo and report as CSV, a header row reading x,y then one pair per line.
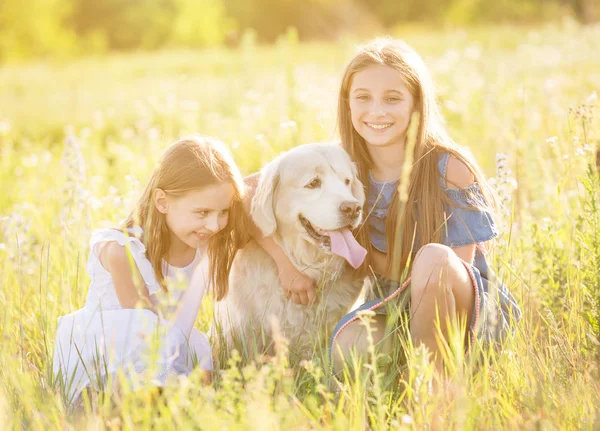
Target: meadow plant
x,y
75,219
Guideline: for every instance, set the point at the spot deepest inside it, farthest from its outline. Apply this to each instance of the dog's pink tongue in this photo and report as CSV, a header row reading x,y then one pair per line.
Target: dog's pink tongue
x,y
343,244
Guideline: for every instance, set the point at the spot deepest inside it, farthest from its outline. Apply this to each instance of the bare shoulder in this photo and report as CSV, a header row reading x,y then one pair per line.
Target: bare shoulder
x,y
458,174
128,283
113,257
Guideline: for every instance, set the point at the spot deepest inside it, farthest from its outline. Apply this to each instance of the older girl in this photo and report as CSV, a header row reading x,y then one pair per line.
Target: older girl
x,y
437,234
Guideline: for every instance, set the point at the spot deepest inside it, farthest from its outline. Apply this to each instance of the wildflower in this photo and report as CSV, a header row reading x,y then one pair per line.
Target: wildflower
x,y
75,218
98,120
127,133
30,161
190,105
545,223
16,228
407,420
154,133
290,124
504,183
473,52
5,127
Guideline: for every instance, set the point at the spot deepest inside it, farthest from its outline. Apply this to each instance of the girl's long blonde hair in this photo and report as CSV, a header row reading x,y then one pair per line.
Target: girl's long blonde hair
x,y
190,164
424,187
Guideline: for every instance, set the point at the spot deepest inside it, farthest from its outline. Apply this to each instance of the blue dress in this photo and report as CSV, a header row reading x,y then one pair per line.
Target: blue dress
x,y
494,305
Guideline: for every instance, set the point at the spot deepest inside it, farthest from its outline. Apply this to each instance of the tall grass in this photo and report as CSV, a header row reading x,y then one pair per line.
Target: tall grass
x,y
524,93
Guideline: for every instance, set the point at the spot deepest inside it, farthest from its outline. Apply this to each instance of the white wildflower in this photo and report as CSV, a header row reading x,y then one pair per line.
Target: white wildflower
x,y
504,183
75,217
5,127
592,98
290,124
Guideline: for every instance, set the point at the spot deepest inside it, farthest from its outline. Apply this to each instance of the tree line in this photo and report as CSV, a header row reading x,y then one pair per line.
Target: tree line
x,y
72,27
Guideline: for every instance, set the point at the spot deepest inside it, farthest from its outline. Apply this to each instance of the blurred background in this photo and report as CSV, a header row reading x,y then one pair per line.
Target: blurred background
x,y
77,27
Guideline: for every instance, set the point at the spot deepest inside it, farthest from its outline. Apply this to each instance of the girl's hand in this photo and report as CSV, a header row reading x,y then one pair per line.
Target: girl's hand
x,y
296,285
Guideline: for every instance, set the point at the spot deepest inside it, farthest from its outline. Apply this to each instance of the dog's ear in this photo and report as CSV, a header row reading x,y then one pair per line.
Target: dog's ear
x,y
263,211
358,190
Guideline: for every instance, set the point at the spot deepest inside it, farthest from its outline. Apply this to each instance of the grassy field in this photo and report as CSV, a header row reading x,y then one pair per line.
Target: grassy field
x,y
527,95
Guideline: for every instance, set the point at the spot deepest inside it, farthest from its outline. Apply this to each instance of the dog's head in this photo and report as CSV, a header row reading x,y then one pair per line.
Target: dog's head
x,y
312,191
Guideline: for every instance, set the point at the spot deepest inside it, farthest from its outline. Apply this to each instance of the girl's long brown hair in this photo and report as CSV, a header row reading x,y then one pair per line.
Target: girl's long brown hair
x,y
425,193
190,164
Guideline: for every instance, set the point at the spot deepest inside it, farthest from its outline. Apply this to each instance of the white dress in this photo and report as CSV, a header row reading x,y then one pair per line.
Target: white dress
x,y
93,343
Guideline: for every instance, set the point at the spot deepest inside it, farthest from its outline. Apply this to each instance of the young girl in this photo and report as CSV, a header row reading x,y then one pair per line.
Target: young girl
x,y
436,234
187,225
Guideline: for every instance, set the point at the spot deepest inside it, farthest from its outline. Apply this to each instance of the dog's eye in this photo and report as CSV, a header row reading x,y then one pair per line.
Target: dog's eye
x,y
314,184
347,182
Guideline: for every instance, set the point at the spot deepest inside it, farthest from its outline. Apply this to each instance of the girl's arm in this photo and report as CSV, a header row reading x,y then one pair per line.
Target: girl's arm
x,y
131,291
298,286
190,301
114,259
458,175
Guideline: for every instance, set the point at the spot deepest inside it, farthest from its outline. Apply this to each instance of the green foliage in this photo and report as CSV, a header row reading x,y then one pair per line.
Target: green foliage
x,y
314,19
588,221
200,23
36,30
589,240
474,11
122,25
460,12
80,27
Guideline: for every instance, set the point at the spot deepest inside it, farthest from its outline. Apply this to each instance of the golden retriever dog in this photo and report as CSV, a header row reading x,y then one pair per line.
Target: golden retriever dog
x,y
308,199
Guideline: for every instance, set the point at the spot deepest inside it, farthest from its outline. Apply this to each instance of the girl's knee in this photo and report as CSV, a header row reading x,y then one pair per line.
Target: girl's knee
x,y
435,269
432,262
437,256
439,274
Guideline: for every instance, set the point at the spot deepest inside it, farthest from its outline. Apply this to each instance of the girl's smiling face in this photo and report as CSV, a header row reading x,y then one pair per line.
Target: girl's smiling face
x,y
197,215
380,105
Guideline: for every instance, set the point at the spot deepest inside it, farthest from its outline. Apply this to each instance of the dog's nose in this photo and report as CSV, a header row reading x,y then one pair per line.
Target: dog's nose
x,y
350,209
